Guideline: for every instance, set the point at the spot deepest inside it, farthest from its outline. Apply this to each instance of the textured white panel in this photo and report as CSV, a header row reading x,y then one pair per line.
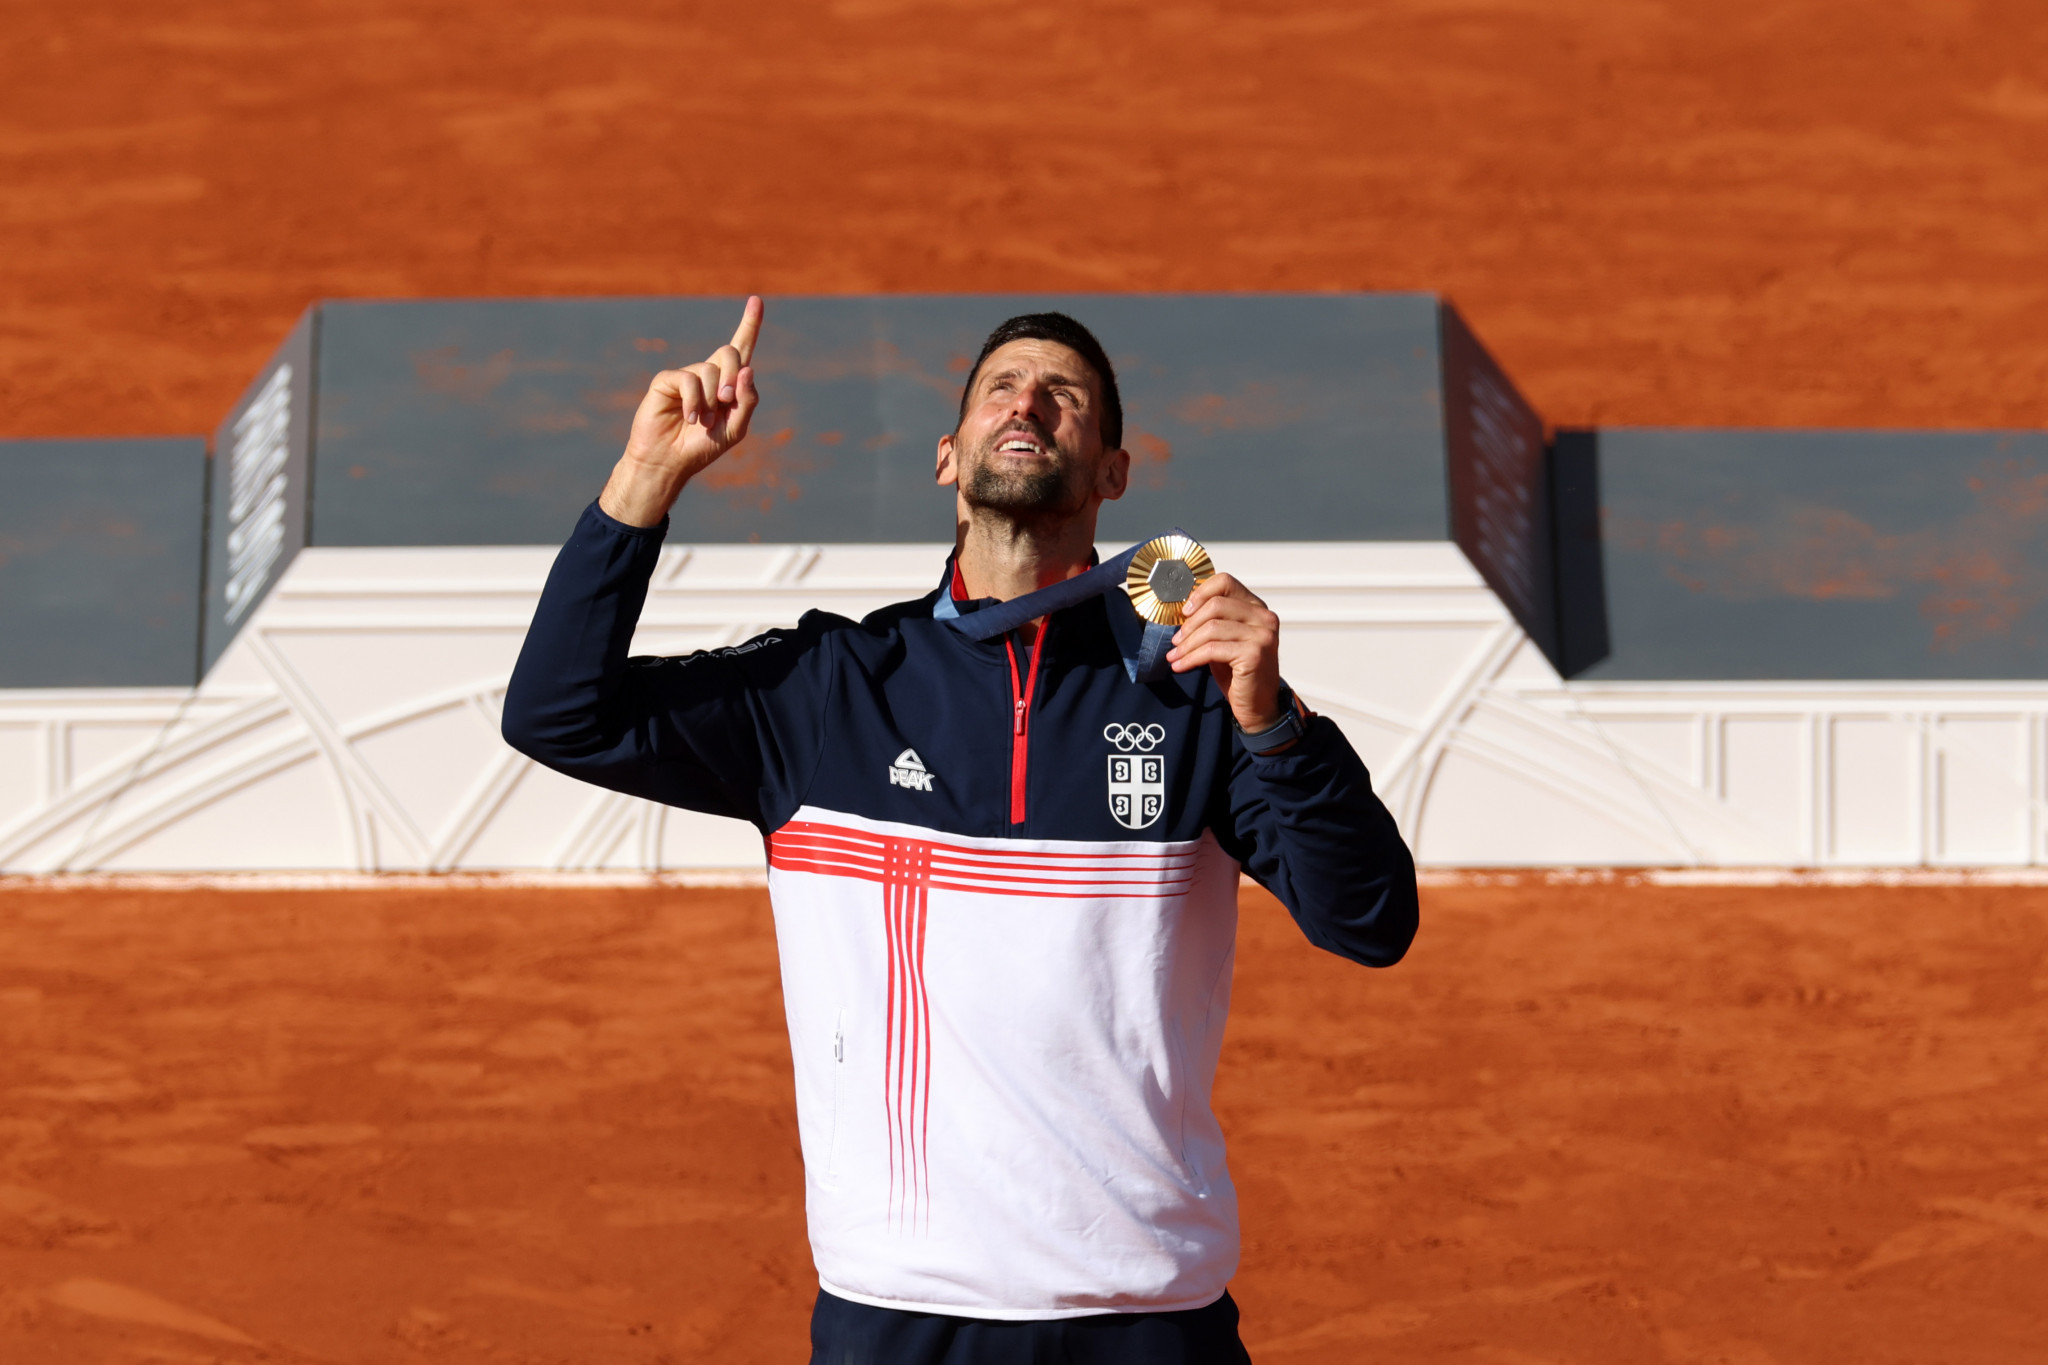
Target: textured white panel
x,y
628,849
1981,789
1670,743
353,726
96,746
1400,679
430,763
23,750
1575,763
435,660
1871,770
415,574
373,845
1764,768
181,780
248,736
242,830
528,828
1481,815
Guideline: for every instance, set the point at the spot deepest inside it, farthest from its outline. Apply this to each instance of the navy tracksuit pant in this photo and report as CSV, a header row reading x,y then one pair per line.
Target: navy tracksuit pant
x,y
846,1333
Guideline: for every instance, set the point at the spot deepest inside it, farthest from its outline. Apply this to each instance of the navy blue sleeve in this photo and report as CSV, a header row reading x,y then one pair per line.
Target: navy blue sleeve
x,y
732,732
1307,826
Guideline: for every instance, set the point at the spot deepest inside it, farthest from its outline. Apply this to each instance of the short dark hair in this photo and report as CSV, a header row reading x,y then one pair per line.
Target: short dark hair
x,y
1058,327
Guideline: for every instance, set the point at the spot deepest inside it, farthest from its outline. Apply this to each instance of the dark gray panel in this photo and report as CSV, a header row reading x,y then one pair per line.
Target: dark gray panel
x,y
99,562
1494,458
1285,417
483,422
258,502
1581,567
495,421
1825,554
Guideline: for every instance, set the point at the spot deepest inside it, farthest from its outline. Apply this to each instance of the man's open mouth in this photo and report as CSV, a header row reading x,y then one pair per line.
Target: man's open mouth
x,y
1021,444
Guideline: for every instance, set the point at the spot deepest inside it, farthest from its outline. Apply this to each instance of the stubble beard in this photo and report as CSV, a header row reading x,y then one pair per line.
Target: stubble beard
x,y
1021,494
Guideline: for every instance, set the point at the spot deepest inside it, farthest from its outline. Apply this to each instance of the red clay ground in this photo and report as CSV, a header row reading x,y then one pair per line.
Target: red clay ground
x,y
1657,211
1580,1126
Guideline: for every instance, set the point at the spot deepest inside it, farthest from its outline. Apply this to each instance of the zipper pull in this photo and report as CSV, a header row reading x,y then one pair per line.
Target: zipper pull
x,y
1019,728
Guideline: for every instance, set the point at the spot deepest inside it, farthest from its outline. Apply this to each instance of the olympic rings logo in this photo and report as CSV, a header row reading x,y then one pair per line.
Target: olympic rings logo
x,y
1129,737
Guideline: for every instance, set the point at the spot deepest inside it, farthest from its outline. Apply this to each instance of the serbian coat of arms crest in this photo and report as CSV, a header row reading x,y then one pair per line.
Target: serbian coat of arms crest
x,y
1137,780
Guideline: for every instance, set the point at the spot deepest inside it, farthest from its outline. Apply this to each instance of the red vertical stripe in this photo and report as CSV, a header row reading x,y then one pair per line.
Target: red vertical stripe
x,y
906,1072
907,1069
924,1126
889,1050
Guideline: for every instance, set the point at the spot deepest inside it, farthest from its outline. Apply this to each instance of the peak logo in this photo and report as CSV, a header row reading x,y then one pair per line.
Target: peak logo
x,y
909,771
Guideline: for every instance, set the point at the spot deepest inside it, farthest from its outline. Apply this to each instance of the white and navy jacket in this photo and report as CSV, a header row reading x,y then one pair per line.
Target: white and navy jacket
x,y
1005,889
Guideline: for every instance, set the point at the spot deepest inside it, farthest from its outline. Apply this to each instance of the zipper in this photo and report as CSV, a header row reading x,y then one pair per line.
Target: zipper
x,y
1021,689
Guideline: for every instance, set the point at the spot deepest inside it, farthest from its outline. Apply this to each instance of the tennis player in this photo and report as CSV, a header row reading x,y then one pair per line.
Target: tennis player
x,y
1004,824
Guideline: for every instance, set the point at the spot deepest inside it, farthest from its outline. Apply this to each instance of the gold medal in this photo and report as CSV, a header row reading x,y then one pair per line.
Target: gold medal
x,y
1163,572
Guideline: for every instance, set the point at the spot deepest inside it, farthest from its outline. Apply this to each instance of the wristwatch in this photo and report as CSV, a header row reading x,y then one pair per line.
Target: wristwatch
x,y
1292,725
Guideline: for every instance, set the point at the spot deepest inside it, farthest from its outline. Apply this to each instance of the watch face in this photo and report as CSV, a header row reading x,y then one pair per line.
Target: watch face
x,y
1163,574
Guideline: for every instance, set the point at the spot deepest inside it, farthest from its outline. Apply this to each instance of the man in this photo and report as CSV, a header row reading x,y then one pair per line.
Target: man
x,y
1003,858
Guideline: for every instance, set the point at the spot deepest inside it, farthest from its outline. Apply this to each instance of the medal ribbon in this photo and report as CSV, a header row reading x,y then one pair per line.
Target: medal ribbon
x,y
1142,643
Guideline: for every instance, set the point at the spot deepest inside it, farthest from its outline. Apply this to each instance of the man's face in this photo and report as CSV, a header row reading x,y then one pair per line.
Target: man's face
x,y
1031,442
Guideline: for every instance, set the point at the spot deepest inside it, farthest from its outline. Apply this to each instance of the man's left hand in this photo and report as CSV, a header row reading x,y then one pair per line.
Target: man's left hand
x,y
1229,629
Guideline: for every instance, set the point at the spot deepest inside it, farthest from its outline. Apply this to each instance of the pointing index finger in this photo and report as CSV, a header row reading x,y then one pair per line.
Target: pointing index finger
x,y
750,327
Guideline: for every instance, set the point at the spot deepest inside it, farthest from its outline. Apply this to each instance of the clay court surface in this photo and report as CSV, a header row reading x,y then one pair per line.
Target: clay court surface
x,y
1582,1125
1744,212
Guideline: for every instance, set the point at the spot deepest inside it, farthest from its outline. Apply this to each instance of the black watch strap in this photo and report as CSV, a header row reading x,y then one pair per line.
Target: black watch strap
x,y
1291,726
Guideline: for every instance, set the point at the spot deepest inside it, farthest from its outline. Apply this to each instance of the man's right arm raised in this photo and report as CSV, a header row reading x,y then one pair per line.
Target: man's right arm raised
x,y
688,419
730,732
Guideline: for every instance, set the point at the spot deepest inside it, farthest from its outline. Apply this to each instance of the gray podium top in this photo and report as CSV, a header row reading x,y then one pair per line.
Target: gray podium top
x,y
1824,554
1249,417
495,421
99,562
1629,554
